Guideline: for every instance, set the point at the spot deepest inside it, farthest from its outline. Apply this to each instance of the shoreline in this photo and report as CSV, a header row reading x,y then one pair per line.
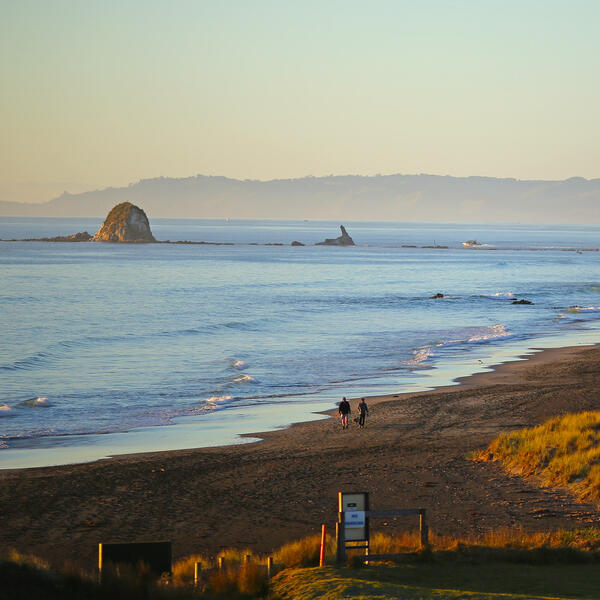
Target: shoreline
x,y
186,430
412,453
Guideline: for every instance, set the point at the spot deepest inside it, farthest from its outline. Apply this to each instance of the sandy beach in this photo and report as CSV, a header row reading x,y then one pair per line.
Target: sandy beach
x,y
412,454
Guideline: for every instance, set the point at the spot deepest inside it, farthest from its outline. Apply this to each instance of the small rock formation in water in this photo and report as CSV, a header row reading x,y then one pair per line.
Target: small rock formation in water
x,y
82,236
436,296
295,243
343,240
125,223
521,302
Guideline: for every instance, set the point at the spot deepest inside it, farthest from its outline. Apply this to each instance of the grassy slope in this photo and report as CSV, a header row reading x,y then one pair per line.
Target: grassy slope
x,y
497,580
564,451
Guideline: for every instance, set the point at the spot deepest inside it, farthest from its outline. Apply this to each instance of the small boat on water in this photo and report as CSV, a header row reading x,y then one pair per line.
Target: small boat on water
x,y
471,243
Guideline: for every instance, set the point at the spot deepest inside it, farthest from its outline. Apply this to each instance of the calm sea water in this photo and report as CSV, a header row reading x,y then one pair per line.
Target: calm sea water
x,y
104,343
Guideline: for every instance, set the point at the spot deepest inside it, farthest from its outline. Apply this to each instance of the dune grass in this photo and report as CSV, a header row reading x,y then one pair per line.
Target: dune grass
x,y
506,561
564,451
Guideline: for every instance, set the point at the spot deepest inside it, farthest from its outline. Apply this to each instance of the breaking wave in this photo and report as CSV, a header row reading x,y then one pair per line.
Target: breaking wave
x,y
467,335
421,355
37,402
212,403
499,296
476,335
580,309
244,379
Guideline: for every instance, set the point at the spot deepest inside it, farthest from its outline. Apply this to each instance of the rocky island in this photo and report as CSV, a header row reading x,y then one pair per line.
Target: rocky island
x,y
125,223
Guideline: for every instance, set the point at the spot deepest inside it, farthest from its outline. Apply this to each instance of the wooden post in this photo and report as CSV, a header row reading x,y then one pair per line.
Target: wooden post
x,y
340,540
270,567
322,553
221,562
423,528
197,572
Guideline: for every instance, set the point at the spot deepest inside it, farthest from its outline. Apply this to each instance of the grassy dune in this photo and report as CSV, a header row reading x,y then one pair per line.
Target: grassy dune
x,y
435,581
564,451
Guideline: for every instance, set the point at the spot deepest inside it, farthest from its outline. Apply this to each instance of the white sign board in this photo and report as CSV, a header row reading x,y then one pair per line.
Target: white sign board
x,y
355,518
354,506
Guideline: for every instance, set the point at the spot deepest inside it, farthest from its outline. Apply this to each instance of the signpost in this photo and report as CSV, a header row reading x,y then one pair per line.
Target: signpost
x,y
352,528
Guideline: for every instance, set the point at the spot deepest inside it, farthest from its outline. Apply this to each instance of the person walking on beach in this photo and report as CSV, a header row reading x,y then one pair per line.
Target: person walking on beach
x,y
344,410
363,411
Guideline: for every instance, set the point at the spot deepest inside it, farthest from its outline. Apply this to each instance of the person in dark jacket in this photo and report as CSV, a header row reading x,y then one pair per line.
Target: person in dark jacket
x,y
344,410
363,411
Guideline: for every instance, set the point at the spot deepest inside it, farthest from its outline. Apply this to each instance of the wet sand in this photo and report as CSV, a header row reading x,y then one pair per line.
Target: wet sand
x,y
412,454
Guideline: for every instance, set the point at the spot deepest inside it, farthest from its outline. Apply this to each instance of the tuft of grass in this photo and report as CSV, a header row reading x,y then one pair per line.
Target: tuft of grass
x,y
564,451
241,581
28,560
183,570
304,552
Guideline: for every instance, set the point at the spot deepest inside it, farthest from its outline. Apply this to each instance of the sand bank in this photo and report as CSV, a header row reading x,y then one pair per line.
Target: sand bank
x,y
411,454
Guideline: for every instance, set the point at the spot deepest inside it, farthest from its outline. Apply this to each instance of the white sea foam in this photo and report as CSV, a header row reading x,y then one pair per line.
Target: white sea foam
x,y
212,403
244,379
37,402
421,355
499,296
218,399
580,309
490,333
475,335
5,410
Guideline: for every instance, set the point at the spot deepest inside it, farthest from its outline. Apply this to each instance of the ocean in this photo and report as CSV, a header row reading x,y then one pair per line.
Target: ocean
x,y
118,348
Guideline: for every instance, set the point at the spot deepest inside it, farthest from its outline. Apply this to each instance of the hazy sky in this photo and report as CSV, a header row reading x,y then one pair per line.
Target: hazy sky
x,y
99,93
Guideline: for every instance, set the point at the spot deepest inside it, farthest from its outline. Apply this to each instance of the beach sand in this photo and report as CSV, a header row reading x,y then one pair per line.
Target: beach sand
x,y
412,454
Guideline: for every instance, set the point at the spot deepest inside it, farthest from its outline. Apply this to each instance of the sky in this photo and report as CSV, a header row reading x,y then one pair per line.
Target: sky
x,y
104,93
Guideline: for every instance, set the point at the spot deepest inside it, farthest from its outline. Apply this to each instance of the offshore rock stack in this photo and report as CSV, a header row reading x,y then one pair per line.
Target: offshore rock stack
x,y
125,223
342,240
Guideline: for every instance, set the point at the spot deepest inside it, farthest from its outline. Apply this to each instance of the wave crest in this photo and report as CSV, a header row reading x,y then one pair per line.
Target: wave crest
x,y
580,309
420,355
499,296
41,401
244,379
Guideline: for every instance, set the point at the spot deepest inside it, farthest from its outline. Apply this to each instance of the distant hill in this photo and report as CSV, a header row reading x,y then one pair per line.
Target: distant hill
x,y
347,197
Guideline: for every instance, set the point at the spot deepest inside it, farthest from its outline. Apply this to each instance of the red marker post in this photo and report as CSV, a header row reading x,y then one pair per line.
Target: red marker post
x,y
322,554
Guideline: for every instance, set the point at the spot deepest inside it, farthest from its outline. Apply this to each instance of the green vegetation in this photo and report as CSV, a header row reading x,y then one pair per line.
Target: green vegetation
x,y
564,451
507,563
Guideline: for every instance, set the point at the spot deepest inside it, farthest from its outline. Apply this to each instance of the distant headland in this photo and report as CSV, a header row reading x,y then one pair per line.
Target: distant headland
x,y
401,198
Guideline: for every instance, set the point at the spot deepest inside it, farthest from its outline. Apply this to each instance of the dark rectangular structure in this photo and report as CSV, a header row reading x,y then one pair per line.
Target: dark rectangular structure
x,y
156,555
